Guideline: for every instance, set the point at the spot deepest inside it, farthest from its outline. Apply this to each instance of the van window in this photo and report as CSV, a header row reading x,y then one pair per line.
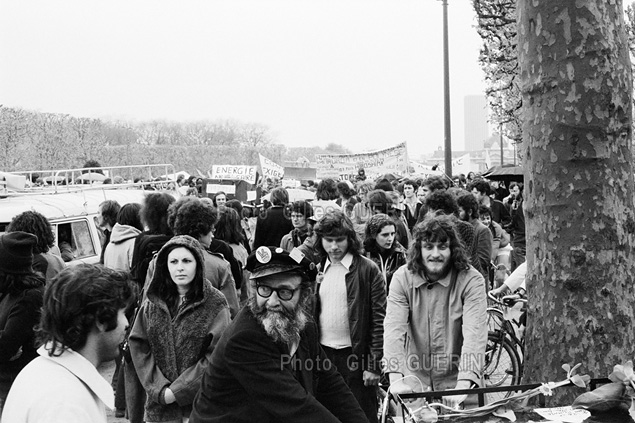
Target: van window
x,y
74,240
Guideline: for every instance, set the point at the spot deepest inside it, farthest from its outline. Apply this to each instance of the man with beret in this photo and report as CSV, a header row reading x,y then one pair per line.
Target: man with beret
x,y
268,366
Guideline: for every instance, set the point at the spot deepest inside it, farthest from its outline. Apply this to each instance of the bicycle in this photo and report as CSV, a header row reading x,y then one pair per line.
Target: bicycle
x,y
393,408
505,347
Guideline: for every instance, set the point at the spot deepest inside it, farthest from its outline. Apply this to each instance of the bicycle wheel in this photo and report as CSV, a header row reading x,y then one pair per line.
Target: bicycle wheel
x,y
495,319
502,365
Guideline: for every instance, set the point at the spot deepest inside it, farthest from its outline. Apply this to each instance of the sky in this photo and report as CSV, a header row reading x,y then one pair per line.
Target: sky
x,y
365,74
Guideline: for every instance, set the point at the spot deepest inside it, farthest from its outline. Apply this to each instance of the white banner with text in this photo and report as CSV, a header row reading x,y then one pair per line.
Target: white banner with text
x,y
234,173
376,163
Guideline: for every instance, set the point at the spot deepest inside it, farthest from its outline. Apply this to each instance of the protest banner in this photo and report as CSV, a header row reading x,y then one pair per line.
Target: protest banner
x,y
234,173
375,163
462,164
270,169
422,170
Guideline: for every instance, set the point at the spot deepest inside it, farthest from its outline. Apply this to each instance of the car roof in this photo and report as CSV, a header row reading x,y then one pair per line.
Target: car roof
x,y
68,204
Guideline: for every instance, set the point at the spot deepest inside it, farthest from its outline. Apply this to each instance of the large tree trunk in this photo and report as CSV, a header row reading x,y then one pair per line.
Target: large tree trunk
x,y
577,83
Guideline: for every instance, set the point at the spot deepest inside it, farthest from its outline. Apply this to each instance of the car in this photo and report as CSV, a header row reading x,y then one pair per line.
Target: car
x,y
72,211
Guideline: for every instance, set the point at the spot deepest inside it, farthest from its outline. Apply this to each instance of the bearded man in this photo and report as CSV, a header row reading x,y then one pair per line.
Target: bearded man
x,y
438,302
268,365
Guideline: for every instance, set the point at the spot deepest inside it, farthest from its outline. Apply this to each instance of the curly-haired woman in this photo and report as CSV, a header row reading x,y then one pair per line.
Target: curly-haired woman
x,y
44,261
381,246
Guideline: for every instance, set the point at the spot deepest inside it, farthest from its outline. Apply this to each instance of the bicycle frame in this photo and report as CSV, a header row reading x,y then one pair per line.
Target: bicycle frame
x,y
509,323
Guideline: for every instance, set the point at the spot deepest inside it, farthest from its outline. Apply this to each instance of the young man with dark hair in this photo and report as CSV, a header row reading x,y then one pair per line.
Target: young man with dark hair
x,y
81,327
268,365
274,222
500,238
193,217
481,189
350,308
428,186
438,301
411,202
468,212
442,202
106,219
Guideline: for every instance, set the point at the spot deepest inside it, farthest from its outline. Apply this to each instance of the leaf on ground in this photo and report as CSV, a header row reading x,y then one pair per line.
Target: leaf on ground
x,y
505,413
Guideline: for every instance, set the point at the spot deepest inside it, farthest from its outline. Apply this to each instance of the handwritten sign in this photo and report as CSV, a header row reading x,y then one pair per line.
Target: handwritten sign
x,y
563,414
376,163
234,173
270,169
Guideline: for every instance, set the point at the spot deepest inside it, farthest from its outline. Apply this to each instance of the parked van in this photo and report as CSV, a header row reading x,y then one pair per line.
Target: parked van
x,y
72,209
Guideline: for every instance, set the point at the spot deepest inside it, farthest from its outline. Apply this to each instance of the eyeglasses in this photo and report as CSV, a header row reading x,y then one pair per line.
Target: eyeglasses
x,y
284,294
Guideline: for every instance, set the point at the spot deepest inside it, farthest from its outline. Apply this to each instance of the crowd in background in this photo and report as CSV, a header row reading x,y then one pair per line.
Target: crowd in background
x,y
188,258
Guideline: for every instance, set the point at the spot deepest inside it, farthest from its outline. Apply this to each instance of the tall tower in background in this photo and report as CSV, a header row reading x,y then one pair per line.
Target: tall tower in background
x,y
475,118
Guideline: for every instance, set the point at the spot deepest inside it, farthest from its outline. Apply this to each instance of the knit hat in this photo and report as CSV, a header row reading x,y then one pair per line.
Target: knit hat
x,y
16,252
376,223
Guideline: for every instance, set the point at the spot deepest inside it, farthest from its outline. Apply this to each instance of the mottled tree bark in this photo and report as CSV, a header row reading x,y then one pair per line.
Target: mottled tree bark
x,y
576,83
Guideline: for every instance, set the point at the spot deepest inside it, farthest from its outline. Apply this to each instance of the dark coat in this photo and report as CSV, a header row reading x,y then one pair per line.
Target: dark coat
x,y
412,218
19,313
366,299
389,264
252,379
221,247
500,214
272,224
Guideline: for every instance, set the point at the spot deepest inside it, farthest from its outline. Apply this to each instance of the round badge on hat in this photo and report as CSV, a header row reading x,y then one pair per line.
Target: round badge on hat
x,y
263,255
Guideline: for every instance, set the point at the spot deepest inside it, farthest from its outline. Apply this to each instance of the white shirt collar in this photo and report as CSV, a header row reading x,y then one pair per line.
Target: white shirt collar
x,y
347,261
84,370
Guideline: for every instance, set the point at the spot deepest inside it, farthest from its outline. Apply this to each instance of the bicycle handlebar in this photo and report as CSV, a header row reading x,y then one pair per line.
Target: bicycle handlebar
x,y
507,300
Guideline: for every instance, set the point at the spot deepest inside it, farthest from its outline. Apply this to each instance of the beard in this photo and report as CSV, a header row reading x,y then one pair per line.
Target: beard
x,y
281,325
436,275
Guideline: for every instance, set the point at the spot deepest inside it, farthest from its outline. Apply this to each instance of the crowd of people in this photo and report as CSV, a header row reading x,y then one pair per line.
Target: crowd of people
x,y
295,314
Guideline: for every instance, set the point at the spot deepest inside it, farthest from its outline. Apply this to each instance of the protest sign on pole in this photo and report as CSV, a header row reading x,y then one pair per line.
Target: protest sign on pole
x,y
424,170
375,163
270,169
462,164
234,173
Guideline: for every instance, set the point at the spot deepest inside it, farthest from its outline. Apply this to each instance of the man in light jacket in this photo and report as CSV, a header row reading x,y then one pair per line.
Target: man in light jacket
x,y
82,325
435,327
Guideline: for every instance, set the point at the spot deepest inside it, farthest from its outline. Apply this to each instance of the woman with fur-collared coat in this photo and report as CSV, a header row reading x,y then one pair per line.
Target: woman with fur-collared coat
x,y
176,329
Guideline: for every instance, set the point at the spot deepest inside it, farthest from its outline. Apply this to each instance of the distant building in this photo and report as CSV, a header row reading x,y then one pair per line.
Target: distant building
x,y
475,118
